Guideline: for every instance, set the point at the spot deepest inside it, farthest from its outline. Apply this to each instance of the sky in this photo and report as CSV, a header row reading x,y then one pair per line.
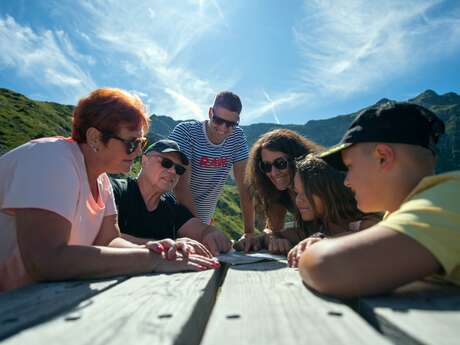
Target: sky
x,y
289,61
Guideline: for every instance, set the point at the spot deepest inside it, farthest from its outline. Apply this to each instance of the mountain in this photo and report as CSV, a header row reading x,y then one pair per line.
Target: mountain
x,y
328,132
22,119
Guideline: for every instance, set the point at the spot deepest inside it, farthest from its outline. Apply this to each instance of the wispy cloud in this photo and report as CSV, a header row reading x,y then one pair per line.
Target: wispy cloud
x,y
156,49
45,58
269,104
352,45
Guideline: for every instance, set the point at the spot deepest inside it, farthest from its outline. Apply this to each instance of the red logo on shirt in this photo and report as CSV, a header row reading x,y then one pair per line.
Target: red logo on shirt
x,y
206,161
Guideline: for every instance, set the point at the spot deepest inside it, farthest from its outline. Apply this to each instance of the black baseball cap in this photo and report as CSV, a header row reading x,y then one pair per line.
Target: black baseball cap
x,y
390,122
166,145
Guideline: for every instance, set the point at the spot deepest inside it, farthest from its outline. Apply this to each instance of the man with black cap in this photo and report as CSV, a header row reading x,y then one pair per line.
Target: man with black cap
x,y
389,155
147,210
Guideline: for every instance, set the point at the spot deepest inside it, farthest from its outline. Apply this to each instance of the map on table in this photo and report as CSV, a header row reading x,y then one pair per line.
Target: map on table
x,y
240,258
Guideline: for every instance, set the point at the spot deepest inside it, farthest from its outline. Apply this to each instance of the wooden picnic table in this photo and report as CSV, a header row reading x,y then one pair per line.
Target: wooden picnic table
x,y
259,303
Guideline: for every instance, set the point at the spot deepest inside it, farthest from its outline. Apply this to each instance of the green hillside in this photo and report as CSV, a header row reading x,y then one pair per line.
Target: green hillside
x,y
22,119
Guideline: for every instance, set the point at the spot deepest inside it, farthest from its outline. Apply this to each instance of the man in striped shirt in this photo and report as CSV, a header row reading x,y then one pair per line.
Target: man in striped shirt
x,y
213,147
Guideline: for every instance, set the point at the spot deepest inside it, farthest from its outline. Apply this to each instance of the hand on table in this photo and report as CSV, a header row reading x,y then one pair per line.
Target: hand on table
x,y
182,255
217,242
278,245
295,253
249,242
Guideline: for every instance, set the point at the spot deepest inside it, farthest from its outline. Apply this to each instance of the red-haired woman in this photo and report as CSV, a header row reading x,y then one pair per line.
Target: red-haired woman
x,y
57,213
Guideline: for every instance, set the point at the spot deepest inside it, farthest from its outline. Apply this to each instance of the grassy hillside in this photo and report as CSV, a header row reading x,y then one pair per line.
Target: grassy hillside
x,y
228,214
22,119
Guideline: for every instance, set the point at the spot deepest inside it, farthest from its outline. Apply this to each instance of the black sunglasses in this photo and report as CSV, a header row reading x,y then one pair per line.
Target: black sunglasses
x,y
167,164
280,163
131,145
219,121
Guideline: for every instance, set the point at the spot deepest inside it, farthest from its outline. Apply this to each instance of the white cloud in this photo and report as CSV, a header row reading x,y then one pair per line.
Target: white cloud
x,y
69,49
153,46
188,104
43,58
352,45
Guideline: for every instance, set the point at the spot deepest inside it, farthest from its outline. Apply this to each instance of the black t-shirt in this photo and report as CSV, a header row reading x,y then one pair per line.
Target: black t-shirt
x,y
134,218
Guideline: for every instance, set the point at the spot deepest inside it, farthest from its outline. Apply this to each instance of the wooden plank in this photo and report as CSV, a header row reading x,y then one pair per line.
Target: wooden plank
x,y
37,303
266,303
150,309
418,313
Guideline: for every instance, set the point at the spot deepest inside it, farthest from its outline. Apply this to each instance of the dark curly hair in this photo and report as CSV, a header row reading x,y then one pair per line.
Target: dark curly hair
x,y
262,189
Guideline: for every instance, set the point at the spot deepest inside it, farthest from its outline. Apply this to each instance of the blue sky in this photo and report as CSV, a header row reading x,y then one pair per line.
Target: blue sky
x,y
290,61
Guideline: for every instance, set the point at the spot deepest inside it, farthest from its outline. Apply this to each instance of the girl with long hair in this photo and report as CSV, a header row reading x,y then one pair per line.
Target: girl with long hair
x,y
326,206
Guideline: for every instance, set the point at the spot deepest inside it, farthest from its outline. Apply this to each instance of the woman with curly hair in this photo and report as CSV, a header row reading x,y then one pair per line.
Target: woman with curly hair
x,y
270,175
327,208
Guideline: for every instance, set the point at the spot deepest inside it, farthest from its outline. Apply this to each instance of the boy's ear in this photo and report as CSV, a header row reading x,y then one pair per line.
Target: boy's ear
x,y
143,159
385,155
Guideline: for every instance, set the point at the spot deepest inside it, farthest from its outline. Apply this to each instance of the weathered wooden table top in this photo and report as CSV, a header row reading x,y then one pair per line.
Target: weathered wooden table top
x,y
261,303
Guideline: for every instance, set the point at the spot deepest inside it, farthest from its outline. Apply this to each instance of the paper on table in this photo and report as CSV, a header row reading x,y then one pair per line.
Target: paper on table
x,y
240,258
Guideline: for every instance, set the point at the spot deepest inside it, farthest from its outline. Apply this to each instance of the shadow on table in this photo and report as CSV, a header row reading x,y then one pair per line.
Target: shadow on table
x,y
440,300
38,303
260,266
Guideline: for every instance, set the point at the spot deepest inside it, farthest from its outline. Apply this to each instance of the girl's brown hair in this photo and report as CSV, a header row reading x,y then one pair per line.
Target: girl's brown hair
x,y
284,140
107,109
339,204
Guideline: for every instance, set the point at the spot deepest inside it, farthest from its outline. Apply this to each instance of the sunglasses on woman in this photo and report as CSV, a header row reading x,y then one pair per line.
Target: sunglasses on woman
x,y
220,121
130,144
281,163
167,164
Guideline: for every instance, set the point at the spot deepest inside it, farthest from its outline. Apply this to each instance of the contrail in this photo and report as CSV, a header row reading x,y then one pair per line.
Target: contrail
x,y
272,107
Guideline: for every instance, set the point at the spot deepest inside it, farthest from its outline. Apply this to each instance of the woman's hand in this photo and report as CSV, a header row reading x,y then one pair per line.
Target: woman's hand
x,y
183,246
181,255
277,245
295,253
250,242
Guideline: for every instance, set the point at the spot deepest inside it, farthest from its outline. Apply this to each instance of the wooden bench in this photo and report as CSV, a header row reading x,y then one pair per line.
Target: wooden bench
x,y
260,303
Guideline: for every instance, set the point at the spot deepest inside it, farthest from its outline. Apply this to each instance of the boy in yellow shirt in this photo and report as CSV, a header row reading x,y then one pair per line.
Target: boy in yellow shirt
x,y
389,154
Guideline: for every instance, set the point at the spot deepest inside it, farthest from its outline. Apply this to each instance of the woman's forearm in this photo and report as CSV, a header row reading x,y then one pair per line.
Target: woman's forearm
x,y
78,262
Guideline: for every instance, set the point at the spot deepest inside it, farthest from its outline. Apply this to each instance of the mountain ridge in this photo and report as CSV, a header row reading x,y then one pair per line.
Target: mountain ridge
x,y
22,119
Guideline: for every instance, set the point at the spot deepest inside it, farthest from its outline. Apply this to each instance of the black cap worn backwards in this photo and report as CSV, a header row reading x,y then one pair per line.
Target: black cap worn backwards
x,y
390,122
166,145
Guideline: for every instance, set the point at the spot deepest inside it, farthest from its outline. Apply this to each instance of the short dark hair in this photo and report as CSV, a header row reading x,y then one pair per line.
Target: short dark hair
x,y
229,101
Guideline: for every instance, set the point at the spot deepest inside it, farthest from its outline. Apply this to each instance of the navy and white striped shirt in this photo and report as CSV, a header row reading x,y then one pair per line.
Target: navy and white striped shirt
x,y
211,163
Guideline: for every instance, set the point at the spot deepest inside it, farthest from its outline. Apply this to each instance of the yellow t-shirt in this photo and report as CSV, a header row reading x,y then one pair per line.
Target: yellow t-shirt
x,y
431,216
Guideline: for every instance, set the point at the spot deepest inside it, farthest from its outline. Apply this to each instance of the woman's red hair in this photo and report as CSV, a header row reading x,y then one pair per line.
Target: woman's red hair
x,y
107,109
